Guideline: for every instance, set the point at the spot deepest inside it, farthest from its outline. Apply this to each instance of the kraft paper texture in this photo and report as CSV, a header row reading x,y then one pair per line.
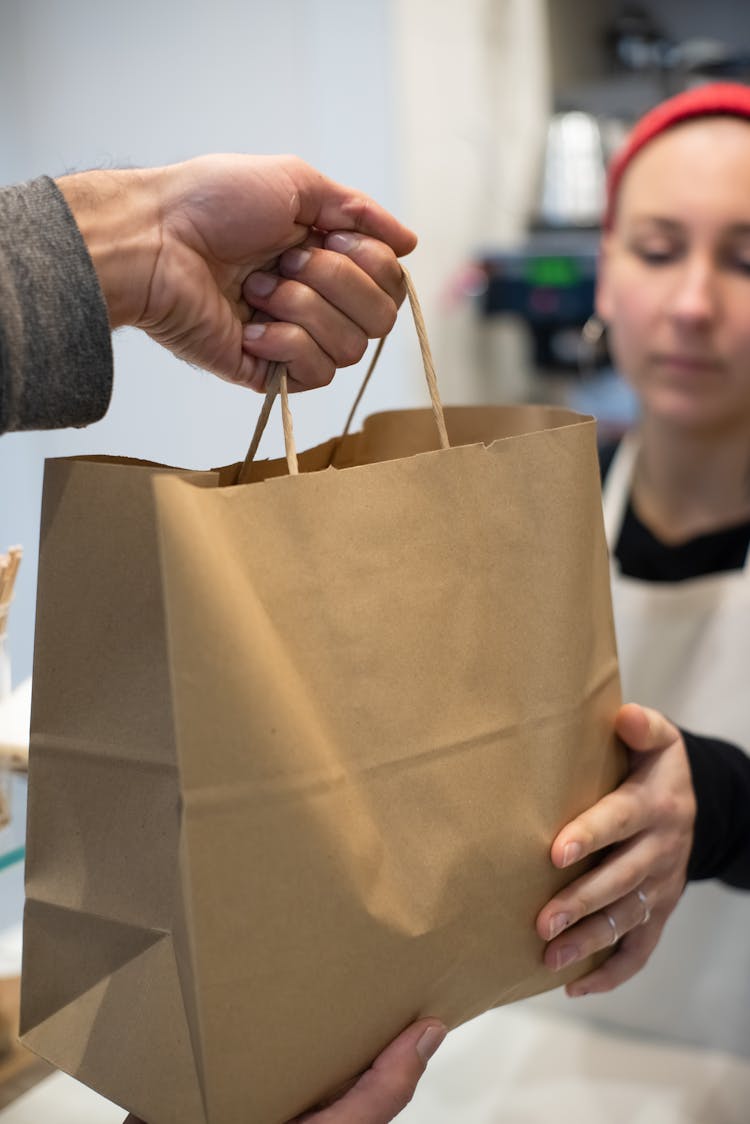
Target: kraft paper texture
x,y
299,748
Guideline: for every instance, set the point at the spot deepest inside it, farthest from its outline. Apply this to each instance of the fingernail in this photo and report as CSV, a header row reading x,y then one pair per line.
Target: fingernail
x,y
430,1041
561,957
342,243
295,260
577,991
254,331
262,284
559,922
572,853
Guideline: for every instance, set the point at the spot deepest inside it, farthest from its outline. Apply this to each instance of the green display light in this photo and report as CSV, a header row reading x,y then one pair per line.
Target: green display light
x,y
552,272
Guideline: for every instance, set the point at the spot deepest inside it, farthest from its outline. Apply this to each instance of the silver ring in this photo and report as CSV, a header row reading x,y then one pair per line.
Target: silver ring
x,y
646,911
613,927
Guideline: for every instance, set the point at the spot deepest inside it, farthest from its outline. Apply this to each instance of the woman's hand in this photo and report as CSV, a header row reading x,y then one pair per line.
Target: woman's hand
x,y
646,827
386,1087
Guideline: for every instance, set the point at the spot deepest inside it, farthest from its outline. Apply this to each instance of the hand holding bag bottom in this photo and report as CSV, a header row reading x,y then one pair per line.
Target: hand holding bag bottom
x,y
299,748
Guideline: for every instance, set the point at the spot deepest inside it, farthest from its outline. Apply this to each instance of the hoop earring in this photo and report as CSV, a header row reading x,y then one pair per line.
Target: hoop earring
x,y
591,346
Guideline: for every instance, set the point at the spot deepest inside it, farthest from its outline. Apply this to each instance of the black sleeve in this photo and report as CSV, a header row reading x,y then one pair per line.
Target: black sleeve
x,y
55,343
721,779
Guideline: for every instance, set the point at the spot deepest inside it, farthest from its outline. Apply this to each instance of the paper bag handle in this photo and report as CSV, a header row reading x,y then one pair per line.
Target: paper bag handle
x,y
277,382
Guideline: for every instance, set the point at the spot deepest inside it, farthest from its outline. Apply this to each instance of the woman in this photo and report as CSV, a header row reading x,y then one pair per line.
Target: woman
x,y
674,293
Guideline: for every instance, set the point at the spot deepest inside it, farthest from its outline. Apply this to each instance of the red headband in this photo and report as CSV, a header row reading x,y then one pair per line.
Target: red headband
x,y
718,99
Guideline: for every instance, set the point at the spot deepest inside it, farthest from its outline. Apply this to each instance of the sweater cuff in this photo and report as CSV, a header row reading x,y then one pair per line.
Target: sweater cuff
x,y
55,341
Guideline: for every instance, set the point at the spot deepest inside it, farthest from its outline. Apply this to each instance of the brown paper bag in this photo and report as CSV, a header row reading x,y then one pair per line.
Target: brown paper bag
x,y
299,748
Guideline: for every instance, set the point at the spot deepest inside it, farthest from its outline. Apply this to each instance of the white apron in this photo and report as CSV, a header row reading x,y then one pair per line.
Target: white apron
x,y
684,648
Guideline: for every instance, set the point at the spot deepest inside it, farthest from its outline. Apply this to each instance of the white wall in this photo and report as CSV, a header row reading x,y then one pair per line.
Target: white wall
x,y
90,82
473,99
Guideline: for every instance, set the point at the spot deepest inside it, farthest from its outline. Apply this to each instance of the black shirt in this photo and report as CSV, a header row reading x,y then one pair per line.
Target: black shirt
x,y
720,771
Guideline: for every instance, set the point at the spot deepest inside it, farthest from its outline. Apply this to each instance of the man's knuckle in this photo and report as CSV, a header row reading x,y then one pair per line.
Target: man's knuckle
x,y
352,348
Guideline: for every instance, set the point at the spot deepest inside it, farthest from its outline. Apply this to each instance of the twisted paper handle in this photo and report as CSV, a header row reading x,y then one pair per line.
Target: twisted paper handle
x,y
277,381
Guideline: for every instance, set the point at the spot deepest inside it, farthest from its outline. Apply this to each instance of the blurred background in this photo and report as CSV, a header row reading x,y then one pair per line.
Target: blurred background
x,y
484,124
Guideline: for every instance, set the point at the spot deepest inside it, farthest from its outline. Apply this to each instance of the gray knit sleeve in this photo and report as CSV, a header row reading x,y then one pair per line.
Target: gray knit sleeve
x,y
55,343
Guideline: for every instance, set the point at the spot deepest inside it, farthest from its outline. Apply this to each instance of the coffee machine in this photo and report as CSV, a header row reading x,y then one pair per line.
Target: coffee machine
x,y
548,281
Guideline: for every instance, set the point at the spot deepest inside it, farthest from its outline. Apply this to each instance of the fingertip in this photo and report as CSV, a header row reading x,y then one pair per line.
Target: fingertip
x,y
576,990
555,854
342,241
430,1039
630,712
633,725
367,216
409,242
253,371
542,924
644,729
590,984
573,852
382,224
566,851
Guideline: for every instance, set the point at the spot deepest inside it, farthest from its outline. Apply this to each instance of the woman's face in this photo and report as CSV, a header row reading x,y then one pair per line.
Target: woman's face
x,y
674,282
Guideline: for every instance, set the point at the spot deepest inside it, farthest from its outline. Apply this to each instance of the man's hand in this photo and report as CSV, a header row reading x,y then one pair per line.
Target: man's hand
x,y
648,825
234,262
386,1087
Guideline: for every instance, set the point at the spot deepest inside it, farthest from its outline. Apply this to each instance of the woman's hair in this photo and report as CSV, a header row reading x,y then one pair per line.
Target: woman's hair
x,y
719,99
